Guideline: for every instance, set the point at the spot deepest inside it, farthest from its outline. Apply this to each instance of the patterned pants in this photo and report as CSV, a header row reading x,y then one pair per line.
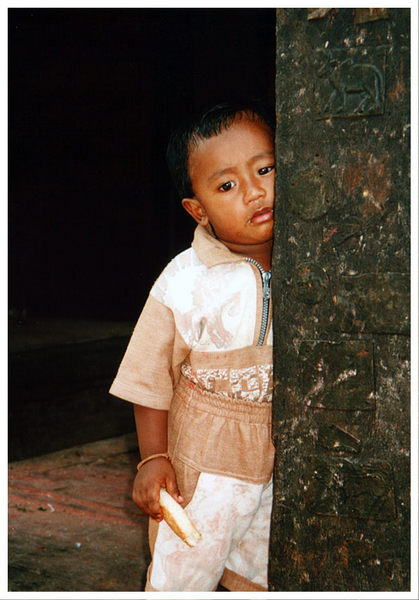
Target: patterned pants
x,y
233,517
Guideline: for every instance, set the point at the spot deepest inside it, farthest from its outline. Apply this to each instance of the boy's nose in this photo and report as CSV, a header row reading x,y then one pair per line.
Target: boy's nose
x,y
254,190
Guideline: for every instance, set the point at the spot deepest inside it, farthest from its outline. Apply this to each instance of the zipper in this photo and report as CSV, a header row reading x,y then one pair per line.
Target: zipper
x,y
266,294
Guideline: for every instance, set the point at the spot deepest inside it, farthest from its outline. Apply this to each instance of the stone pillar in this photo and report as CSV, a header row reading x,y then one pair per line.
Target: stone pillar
x,y
341,302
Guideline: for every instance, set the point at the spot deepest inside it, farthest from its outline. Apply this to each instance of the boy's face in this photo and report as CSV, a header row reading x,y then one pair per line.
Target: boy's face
x,y
232,176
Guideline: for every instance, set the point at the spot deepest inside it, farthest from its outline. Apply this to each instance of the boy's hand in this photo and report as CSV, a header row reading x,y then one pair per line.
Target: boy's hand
x,y
150,478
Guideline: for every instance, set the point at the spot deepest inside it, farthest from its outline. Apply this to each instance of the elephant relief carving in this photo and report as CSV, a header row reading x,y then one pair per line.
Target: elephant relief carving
x,y
350,85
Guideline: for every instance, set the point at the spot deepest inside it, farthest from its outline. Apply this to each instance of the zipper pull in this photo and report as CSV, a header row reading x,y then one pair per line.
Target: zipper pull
x,y
266,288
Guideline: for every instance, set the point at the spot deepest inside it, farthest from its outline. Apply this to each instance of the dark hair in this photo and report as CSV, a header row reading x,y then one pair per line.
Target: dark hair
x,y
204,125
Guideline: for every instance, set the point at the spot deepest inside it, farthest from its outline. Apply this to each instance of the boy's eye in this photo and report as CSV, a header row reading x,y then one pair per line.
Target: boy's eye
x,y
227,186
265,170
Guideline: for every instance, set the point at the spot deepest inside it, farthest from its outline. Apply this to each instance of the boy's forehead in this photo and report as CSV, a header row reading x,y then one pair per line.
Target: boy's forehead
x,y
256,124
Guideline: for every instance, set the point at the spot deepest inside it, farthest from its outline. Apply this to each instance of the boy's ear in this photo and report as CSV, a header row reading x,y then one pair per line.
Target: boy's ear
x,y
196,210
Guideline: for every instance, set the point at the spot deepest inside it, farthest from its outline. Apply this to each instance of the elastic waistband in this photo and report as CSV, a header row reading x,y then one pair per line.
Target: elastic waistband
x,y
218,404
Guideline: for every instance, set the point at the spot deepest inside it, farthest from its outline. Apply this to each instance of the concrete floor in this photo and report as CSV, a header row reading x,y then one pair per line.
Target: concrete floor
x,y
72,523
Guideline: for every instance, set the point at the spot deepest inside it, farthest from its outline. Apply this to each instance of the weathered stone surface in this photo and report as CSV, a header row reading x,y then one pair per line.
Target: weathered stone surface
x,y
341,291
311,193
337,375
373,303
347,488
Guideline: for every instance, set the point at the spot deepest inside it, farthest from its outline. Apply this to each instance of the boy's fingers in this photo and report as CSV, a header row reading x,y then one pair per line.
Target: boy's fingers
x,y
153,503
153,510
156,511
149,501
173,490
146,490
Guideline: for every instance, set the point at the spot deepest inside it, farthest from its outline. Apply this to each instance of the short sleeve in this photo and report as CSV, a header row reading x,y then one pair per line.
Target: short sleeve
x,y
150,367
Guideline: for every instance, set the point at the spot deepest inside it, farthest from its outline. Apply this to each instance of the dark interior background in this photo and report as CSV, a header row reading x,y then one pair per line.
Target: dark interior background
x,y
93,217
93,94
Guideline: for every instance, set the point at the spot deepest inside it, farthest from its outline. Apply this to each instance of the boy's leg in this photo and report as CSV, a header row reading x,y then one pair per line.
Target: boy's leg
x,y
248,560
222,508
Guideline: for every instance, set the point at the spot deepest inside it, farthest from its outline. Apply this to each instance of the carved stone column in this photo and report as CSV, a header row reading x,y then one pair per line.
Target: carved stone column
x,y
341,301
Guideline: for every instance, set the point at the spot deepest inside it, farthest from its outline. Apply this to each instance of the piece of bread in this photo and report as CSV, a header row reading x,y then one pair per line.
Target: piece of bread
x,y
178,520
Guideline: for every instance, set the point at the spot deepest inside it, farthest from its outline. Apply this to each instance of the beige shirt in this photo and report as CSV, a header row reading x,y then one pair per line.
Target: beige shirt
x,y
202,320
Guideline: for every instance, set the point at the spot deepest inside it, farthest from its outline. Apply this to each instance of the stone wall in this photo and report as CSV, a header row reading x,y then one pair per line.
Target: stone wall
x,y
341,301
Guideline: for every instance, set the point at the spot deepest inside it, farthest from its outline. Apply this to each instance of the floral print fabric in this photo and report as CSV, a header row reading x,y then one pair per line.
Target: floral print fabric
x,y
233,517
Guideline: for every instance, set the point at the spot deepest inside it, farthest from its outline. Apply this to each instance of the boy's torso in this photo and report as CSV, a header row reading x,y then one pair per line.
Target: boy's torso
x,y
220,417
218,312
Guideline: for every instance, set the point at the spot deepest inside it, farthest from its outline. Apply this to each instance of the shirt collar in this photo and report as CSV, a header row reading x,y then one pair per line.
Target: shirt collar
x,y
211,251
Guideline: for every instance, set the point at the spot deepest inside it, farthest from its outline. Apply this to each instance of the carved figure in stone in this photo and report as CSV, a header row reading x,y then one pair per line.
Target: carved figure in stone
x,y
357,87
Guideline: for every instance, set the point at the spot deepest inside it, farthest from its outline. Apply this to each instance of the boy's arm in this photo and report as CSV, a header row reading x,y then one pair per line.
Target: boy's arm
x,y
151,427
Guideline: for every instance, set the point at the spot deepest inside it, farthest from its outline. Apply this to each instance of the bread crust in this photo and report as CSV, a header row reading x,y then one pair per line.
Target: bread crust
x,y
178,520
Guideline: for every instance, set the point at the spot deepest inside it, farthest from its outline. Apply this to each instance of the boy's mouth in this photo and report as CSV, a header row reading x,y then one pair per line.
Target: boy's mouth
x,y
262,216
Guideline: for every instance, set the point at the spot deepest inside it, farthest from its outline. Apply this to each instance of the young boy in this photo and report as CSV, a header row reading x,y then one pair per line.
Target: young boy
x,y
198,367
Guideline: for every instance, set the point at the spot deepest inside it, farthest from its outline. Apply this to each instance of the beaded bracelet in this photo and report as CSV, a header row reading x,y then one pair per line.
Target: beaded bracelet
x,y
160,454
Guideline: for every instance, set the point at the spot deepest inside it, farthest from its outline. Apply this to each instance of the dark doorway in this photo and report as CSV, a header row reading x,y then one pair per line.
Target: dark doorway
x,y
93,94
93,218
